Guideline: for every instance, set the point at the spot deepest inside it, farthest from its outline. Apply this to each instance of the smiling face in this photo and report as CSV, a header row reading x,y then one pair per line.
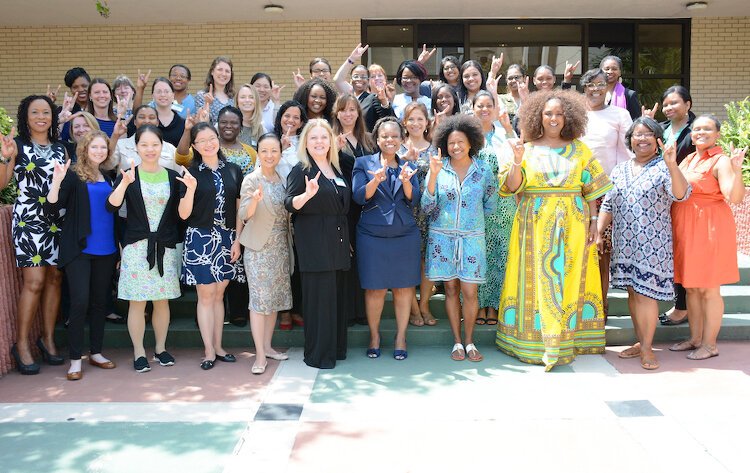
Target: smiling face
x,y
321,71
514,77
291,120
146,116
553,119
269,153
230,126
81,86
704,133
149,147
178,76
472,79
39,116
246,100
206,142
596,92
222,74
163,95
612,71
318,142
409,82
79,127
360,78
264,89
100,96
458,145
377,78
544,80
124,93
484,109
389,138
444,100
316,101
415,123
348,115
643,142
451,72
674,107
98,151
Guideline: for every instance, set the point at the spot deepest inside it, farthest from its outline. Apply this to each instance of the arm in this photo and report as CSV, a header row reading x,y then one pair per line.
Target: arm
x,y
729,173
299,190
115,199
570,69
8,153
490,197
593,227
514,178
605,218
59,174
249,198
236,251
346,68
363,187
185,208
140,87
678,182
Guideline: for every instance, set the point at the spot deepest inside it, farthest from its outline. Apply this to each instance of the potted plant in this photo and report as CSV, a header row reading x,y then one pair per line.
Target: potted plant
x,y
736,131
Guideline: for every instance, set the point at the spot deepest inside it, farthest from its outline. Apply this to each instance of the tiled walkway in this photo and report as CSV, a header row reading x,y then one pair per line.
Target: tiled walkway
x,y
425,414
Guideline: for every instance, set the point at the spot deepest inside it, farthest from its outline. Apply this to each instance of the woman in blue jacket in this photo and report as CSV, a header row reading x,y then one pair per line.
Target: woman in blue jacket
x,y
388,239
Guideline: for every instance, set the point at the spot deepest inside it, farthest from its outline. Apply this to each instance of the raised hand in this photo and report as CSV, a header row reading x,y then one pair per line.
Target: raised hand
x,y
188,180
311,186
436,163
649,112
142,80
406,173
736,156
358,52
276,92
52,94
570,69
523,89
439,116
208,98
9,149
203,113
668,153
286,139
67,107
504,119
58,173
497,64
121,125
516,145
390,90
128,177
379,175
298,78
341,140
382,96
257,195
425,55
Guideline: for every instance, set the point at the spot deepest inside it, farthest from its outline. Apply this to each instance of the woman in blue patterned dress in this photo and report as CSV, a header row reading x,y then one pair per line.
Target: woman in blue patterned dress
x,y
639,208
218,89
31,158
460,192
209,201
497,129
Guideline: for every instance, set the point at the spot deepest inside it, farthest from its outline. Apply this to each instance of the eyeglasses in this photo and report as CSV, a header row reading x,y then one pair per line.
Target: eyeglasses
x,y
359,77
514,78
640,136
598,85
213,139
408,79
450,67
320,71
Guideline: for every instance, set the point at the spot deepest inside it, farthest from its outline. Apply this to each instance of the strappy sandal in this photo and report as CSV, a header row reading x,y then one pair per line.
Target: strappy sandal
x,y
683,346
649,362
458,353
632,352
703,352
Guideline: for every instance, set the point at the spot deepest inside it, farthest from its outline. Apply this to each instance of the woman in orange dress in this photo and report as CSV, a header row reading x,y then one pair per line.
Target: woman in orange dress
x,y
705,241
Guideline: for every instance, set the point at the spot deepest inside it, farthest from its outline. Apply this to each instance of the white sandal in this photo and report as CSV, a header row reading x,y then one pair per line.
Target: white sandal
x,y
471,347
458,353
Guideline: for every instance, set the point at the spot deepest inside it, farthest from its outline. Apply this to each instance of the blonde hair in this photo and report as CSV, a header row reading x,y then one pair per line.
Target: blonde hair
x,y
256,120
84,168
376,68
89,118
333,152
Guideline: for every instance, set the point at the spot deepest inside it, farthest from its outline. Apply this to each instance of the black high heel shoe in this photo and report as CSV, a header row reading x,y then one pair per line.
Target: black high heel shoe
x,y
48,357
33,368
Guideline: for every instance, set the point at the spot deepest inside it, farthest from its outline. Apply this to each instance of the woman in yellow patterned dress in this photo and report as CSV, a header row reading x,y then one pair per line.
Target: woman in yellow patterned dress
x,y
551,301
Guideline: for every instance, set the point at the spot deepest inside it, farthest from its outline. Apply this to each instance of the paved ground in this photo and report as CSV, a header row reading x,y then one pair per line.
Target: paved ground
x,y
425,414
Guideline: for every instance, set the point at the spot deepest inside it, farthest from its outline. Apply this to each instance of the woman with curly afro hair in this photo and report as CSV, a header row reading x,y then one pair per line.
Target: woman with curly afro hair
x,y
317,96
551,301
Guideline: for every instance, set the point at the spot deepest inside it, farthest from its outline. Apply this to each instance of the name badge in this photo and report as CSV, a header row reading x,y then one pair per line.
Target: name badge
x,y
340,182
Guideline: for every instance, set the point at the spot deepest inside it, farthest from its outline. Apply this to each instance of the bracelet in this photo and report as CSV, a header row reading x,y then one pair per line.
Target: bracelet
x,y
349,60
4,161
513,163
594,218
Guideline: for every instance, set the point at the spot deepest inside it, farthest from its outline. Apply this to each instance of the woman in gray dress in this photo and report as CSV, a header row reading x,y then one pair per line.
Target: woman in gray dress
x,y
266,237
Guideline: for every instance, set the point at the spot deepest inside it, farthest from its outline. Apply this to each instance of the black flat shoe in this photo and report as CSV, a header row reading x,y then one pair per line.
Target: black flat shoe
x,y
238,321
48,357
33,368
228,358
669,322
115,319
207,364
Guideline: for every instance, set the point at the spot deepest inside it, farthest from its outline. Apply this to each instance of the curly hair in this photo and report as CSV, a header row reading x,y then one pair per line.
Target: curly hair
x,y
360,131
419,107
469,125
303,93
284,107
22,124
84,168
649,123
574,111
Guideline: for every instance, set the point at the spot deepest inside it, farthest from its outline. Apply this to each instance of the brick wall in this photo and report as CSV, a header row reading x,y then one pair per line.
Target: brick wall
x,y
719,63
35,57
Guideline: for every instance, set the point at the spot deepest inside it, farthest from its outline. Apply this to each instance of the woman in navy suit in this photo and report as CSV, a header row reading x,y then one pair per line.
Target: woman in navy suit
x,y
388,239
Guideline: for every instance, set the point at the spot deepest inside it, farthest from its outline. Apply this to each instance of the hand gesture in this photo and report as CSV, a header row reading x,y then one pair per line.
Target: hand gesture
x,y
121,125
497,64
669,154
440,116
406,173
390,90
570,69
208,97
504,119
58,173
491,84
190,120
188,180
257,195
411,153
8,146
649,112
203,113
311,186
382,96
379,175
523,89
52,94
298,78
436,163
286,139
142,80
276,92
69,101
341,140
128,177
736,156
516,145
358,51
425,55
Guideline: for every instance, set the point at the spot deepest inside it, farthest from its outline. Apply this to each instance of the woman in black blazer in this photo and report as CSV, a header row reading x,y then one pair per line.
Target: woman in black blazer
x,y
88,245
318,197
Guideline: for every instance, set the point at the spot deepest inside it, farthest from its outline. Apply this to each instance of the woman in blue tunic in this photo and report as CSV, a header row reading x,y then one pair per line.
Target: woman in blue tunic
x,y
388,238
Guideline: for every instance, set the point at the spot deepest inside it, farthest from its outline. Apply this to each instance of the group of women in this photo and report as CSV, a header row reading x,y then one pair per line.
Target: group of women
x,y
350,190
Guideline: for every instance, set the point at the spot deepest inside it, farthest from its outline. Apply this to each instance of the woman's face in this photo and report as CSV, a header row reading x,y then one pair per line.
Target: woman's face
x,y
149,147
674,107
221,74
348,116
317,101
612,71
484,109
79,127
643,142
100,95
39,116
553,118
321,71
472,79
704,133
163,95
377,79
415,123
318,142
230,126
291,120
444,100
269,153
514,77
81,86
264,89
246,100
544,80
451,72
360,78
206,142
596,92
458,145
124,93
178,76
146,116
409,82
98,151
389,138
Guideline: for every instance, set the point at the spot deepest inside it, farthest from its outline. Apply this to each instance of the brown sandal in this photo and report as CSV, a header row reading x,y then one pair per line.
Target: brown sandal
x,y
649,362
632,352
703,352
686,345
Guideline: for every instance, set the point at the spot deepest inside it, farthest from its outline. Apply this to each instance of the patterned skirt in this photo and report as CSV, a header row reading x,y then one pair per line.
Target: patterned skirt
x,y
206,258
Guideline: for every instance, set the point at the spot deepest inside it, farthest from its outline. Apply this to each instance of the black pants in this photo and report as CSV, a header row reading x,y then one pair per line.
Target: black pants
x,y
325,320
296,286
680,297
90,285
354,295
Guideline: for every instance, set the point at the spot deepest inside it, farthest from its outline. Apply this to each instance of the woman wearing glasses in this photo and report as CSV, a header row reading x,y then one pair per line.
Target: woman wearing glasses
x,y
409,75
518,88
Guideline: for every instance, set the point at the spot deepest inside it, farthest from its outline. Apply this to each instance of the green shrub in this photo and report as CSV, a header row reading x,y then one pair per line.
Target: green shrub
x,y
7,195
736,130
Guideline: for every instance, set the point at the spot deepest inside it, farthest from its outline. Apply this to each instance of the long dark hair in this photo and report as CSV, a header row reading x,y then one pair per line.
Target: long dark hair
x,y
284,107
463,92
110,110
23,118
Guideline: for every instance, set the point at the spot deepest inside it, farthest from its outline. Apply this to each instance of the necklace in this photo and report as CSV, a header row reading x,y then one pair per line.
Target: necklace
x,y
42,151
